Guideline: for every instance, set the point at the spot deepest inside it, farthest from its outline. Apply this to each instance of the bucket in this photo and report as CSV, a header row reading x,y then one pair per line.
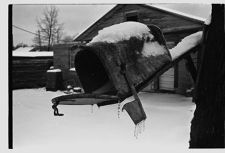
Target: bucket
x,y
121,68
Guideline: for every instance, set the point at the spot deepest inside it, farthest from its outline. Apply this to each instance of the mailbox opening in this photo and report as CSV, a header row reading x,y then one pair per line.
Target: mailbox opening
x,y
92,73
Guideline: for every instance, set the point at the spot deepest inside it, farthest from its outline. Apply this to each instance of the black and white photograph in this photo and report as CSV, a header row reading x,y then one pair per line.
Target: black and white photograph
x,y
115,77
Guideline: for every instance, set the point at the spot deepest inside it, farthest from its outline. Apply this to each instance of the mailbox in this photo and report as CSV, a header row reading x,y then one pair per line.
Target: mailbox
x,y
110,70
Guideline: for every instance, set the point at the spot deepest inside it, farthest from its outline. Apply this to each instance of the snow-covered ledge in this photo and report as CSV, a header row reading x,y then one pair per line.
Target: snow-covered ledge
x,y
186,44
54,70
33,54
72,69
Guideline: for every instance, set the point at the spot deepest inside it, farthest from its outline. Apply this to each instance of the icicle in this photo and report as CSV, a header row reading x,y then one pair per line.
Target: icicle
x,y
118,113
139,128
143,125
135,131
92,107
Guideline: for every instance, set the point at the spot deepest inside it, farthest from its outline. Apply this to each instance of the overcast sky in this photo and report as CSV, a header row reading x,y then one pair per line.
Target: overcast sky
x,y
76,18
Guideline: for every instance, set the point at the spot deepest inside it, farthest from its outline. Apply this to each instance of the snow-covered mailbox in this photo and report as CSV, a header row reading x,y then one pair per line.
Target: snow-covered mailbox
x,y
119,62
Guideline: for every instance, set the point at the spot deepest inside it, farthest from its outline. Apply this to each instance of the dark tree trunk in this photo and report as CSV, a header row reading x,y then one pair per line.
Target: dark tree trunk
x,y
207,128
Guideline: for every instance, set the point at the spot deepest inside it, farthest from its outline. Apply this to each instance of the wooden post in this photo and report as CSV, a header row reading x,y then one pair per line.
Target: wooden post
x,y
191,67
207,128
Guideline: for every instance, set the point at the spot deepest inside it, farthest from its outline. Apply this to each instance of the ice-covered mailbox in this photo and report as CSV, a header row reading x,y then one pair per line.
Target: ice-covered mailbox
x,y
116,64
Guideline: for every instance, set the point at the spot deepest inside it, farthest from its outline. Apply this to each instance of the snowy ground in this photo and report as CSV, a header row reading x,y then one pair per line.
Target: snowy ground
x,y
34,125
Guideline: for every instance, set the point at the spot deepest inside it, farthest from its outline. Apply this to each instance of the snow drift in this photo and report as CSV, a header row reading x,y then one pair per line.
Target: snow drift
x,y
168,124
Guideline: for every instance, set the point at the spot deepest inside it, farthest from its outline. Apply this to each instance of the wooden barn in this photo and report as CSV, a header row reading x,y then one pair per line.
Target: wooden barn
x,y
29,68
174,25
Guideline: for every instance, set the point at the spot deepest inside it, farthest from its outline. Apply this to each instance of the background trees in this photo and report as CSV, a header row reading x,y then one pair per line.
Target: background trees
x,y
50,30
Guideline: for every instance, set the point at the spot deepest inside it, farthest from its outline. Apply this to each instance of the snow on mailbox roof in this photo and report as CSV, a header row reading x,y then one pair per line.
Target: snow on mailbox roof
x,y
122,31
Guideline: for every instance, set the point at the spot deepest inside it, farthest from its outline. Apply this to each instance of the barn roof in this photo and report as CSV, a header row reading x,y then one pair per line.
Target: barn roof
x,y
23,49
177,13
160,8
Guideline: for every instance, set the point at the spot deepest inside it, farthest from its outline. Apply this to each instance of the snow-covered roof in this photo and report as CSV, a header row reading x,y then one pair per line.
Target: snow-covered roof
x,y
177,12
153,6
23,49
33,54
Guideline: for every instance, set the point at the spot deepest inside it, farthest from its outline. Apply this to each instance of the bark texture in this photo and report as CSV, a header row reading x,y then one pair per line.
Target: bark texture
x,y
207,127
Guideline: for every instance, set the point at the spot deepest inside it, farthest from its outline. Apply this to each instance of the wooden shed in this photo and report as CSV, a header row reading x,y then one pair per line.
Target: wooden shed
x,y
174,25
30,72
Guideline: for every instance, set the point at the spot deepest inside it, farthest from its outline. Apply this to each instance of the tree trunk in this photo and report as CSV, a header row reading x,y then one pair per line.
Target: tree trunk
x,y
49,38
39,39
207,128
49,41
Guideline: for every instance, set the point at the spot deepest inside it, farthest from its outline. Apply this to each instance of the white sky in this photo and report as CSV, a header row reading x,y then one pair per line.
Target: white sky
x,y
76,18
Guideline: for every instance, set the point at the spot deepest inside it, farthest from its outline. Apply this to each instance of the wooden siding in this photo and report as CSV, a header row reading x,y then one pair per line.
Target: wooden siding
x,y
64,59
185,80
166,80
29,72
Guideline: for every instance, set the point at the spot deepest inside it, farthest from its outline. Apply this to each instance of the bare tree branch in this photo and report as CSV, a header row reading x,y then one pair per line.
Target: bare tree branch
x,y
49,27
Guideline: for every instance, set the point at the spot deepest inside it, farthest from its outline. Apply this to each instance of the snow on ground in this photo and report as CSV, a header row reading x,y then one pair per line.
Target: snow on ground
x,y
186,44
34,125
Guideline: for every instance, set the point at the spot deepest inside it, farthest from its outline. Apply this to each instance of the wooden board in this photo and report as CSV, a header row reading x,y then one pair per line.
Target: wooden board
x,y
166,80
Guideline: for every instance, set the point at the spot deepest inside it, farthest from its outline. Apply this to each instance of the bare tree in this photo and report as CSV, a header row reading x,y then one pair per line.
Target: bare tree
x,y
59,34
37,39
49,26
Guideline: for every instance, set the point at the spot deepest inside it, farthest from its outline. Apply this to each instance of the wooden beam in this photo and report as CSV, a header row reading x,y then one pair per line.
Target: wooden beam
x,y
191,67
182,29
162,70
